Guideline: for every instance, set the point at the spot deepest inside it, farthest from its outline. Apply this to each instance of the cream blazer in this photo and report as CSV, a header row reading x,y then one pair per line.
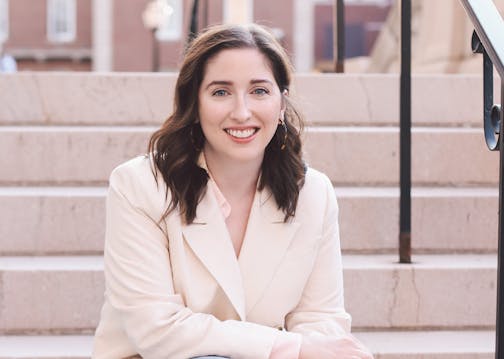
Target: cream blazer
x,y
179,291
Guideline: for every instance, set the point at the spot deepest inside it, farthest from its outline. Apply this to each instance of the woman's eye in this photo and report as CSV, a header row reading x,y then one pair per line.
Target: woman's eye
x,y
260,91
219,93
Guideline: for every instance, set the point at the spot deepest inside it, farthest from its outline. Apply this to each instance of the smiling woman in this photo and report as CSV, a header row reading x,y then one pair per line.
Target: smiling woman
x,y
220,235
238,115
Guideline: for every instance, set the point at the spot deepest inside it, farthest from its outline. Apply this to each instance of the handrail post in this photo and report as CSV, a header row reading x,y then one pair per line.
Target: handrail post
x,y
405,136
499,325
193,25
492,121
339,36
487,39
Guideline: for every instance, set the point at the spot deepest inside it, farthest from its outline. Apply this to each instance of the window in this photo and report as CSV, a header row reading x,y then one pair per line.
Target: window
x,y
171,30
4,20
61,20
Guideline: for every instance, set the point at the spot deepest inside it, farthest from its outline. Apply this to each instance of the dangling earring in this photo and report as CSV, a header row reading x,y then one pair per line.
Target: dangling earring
x,y
283,123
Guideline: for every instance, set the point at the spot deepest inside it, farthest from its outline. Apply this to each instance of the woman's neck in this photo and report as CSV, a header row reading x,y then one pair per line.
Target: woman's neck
x,y
233,177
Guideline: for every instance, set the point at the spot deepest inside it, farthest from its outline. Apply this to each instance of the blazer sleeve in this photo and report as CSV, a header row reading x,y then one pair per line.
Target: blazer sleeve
x,y
139,287
321,308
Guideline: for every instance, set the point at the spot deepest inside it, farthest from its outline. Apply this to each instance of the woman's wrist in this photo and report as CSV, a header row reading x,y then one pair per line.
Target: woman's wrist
x,y
287,346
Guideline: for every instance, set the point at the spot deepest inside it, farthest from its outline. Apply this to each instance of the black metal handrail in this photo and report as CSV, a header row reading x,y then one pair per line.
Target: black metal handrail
x,y
404,120
488,40
193,23
405,136
488,24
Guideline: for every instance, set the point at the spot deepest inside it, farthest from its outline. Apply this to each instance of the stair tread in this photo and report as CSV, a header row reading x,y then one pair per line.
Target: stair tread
x,y
45,346
463,342
350,261
51,263
341,191
53,191
78,128
415,191
382,342
420,261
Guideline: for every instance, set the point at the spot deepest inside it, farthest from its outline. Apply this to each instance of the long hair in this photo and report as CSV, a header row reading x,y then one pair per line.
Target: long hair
x,y
176,146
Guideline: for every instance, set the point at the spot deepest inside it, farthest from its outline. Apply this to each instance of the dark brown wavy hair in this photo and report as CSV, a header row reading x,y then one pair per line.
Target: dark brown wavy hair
x,y
176,146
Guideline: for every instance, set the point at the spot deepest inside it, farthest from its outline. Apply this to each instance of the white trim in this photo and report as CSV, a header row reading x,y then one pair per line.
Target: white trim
x,y
61,20
171,30
250,13
303,35
4,20
102,35
238,11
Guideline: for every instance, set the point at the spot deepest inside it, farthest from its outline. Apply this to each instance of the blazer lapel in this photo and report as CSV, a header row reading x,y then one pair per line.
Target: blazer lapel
x,y
209,238
266,242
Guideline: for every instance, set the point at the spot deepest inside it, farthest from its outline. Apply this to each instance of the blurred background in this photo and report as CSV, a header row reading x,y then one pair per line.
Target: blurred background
x,y
149,35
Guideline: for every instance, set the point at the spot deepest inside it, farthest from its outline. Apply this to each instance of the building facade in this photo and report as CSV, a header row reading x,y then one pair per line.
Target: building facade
x,y
109,35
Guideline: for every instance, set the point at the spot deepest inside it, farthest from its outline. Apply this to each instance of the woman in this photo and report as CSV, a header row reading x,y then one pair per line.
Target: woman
x,y
221,241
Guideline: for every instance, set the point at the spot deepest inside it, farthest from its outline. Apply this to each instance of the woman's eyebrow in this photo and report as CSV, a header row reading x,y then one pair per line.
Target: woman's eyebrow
x,y
257,81
229,83
219,82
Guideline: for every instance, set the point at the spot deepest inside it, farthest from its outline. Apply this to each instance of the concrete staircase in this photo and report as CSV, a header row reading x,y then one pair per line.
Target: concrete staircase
x,y
61,135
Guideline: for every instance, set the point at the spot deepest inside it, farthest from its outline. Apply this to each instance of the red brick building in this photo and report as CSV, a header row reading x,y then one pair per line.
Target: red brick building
x,y
109,35
39,38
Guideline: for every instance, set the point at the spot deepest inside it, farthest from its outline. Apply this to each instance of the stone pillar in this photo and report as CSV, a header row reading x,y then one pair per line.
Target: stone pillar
x,y
303,35
238,11
441,39
102,35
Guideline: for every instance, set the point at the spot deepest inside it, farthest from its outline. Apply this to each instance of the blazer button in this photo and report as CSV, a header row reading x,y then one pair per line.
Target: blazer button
x,y
280,327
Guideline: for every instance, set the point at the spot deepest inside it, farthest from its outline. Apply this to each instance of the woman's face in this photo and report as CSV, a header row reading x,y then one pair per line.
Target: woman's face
x,y
239,105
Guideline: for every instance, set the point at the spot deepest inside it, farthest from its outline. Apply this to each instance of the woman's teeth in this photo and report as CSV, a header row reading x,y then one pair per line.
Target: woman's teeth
x,y
241,133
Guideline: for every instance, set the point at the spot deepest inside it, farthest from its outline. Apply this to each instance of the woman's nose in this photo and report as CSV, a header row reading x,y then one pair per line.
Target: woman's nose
x,y
241,111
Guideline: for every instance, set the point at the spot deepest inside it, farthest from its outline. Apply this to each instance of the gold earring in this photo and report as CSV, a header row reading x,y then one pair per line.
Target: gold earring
x,y
282,122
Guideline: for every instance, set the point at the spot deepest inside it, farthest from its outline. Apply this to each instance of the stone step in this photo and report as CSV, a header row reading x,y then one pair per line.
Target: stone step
x,y
430,344
65,294
444,220
52,220
139,99
351,156
370,156
46,347
50,294
384,345
71,220
436,291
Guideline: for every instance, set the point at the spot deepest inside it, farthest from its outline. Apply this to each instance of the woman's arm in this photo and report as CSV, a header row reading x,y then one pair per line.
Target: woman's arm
x,y
321,308
320,315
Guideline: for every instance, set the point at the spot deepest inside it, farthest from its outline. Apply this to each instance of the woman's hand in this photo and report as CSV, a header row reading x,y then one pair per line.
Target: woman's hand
x,y
323,347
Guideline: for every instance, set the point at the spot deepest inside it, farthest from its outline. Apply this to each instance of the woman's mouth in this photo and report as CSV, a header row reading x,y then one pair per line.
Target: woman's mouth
x,y
243,133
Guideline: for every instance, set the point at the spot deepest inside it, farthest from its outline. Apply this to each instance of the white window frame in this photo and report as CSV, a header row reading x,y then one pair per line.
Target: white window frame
x,y
171,30
67,10
4,20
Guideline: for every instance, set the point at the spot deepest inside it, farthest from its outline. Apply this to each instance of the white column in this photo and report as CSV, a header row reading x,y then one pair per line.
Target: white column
x,y
303,35
238,11
102,35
